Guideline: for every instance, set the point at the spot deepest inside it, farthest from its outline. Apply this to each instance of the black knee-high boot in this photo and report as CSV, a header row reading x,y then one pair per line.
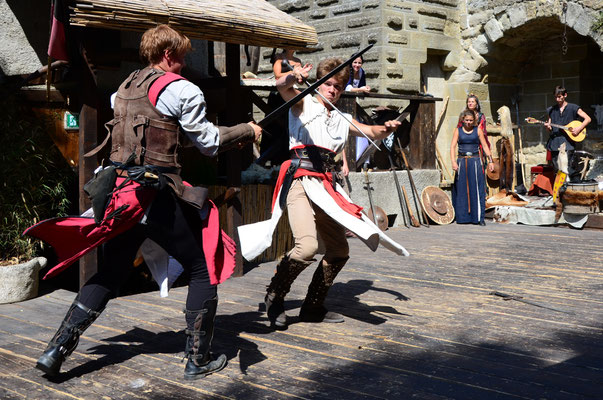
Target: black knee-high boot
x,y
286,272
76,321
312,309
200,332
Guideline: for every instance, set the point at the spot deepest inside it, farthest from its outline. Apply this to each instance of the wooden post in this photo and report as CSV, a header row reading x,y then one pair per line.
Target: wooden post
x,y
234,114
422,137
89,122
347,104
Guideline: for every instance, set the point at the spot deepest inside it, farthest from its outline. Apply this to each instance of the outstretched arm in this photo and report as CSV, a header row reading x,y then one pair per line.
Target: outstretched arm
x,y
374,132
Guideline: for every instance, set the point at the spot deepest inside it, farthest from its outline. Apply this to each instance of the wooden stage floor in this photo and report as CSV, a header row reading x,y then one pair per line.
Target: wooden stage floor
x,y
422,327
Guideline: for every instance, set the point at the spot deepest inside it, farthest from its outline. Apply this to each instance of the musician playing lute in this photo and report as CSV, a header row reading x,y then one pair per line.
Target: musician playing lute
x,y
562,114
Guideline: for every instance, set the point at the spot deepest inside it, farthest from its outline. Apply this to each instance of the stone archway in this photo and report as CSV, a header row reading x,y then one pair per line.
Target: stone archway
x,y
526,64
512,55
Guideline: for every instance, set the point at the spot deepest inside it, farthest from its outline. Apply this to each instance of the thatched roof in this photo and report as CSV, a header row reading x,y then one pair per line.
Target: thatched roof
x,y
253,22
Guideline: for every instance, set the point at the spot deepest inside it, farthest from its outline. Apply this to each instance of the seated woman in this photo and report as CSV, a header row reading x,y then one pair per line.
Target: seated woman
x,y
357,81
279,66
469,188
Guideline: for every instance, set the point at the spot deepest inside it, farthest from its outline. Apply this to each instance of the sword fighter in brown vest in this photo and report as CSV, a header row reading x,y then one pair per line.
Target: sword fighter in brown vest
x,y
148,200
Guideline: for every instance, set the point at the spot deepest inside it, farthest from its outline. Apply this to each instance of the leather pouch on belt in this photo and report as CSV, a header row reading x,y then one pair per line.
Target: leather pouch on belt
x,y
193,195
99,190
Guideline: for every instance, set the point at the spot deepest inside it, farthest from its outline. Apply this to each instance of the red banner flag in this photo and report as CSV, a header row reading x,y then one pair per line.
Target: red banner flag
x,y
57,46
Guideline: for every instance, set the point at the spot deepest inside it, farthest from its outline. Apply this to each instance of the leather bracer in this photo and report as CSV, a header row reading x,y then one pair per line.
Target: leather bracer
x,y
231,136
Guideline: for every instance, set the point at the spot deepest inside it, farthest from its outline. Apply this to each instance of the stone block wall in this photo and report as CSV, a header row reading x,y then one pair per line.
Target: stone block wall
x,y
401,31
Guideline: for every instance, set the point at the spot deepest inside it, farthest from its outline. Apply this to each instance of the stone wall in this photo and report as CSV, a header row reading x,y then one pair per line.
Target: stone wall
x,y
402,33
18,54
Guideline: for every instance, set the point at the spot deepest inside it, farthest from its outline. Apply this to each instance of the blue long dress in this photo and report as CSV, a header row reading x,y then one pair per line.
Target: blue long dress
x,y
469,188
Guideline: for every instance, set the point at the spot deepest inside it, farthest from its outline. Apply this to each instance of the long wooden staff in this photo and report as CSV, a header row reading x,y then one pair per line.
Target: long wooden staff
x,y
415,192
443,166
413,220
439,157
397,183
521,158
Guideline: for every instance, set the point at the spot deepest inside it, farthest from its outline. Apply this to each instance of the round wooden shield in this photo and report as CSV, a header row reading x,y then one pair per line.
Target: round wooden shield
x,y
437,205
381,220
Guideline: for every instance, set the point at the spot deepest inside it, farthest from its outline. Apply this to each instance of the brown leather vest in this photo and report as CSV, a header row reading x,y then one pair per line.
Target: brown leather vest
x,y
139,128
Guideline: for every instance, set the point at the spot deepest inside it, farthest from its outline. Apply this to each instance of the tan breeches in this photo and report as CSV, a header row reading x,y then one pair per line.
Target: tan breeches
x,y
307,221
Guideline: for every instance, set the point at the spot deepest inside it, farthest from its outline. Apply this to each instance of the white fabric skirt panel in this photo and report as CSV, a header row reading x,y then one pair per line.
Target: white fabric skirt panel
x,y
257,237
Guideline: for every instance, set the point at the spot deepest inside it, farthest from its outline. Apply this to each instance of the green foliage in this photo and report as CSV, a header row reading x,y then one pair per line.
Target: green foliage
x,y
34,179
598,24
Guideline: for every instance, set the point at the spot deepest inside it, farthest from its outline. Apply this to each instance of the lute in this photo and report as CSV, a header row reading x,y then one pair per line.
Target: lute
x,y
566,128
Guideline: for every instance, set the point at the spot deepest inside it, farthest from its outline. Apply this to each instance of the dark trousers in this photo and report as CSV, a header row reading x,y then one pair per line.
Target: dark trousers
x,y
173,225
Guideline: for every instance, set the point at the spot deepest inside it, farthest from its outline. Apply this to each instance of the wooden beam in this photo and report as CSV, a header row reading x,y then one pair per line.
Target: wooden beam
x,y
422,137
88,135
235,113
348,105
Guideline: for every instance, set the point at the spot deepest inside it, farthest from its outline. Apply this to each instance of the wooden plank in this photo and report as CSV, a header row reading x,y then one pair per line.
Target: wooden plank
x,y
423,135
423,326
88,139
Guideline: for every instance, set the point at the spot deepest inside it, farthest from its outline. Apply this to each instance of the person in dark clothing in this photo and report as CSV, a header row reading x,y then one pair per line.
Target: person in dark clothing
x,y
156,111
563,113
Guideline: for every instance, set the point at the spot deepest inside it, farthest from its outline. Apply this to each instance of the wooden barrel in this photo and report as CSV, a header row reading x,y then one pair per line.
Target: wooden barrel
x,y
581,198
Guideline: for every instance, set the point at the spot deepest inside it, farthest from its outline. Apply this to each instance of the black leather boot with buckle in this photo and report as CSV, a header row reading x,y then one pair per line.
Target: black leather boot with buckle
x,y
76,321
312,310
200,332
286,272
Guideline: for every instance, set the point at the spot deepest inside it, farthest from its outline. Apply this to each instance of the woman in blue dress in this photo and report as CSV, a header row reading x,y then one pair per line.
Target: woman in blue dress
x,y
468,191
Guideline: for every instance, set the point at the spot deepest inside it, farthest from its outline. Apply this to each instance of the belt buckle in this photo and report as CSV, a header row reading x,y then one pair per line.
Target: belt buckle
x,y
469,154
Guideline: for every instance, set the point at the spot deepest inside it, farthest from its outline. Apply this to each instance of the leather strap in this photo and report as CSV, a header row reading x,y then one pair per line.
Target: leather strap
x,y
467,180
295,164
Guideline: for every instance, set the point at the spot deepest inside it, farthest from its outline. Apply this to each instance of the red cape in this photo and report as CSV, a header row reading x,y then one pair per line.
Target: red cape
x,y
73,237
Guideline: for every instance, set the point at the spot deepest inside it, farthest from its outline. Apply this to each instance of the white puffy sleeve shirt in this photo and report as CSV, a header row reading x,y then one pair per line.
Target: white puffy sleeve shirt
x,y
315,126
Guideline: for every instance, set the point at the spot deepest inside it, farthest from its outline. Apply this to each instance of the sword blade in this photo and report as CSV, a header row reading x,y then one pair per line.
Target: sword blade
x,y
310,89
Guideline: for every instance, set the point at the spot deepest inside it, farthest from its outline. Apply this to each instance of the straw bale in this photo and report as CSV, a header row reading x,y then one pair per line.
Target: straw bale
x,y
252,22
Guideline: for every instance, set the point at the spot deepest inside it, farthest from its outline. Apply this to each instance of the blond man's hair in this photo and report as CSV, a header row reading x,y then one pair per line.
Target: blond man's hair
x,y
156,41
329,64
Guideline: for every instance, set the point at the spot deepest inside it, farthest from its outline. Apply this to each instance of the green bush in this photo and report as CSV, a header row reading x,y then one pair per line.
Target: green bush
x,y
34,180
